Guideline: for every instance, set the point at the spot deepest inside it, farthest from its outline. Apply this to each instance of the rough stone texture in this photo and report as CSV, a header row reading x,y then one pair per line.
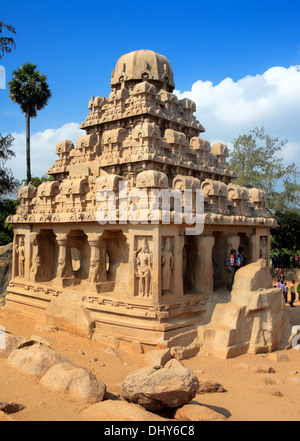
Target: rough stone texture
x,y
68,312
158,357
157,387
5,270
78,260
117,410
254,320
210,387
35,360
195,411
9,342
80,383
10,407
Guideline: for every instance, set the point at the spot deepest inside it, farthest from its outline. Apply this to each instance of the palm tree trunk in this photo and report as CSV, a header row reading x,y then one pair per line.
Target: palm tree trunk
x,y
28,168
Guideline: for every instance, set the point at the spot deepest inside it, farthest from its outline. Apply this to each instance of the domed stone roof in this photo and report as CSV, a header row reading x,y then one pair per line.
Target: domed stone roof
x,y
143,65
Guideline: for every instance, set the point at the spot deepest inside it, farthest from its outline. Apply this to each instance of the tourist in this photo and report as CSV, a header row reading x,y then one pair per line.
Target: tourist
x,y
286,290
230,265
281,286
293,294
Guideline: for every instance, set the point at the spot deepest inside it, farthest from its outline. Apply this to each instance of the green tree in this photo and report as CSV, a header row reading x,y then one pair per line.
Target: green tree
x,y
36,181
287,234
7,44
256,160
8,183
29,89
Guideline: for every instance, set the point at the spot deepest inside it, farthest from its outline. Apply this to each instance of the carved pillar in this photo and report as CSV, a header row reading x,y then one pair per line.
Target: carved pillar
x,y
97,272
34,260
63,267
205,274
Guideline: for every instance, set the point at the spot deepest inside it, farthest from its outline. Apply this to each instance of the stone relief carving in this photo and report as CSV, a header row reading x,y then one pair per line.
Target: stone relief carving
x,y
20,250
167,262
143,268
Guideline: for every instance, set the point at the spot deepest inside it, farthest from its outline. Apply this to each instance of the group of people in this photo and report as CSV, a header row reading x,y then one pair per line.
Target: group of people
x,y
234,261
285,289
286,261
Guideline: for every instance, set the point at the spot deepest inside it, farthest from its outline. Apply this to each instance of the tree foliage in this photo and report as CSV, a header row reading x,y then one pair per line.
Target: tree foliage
x,y
287,234
29,89
7,44
256,160
7,182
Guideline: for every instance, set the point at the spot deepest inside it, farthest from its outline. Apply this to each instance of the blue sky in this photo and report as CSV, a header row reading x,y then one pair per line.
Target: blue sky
x,y
238,60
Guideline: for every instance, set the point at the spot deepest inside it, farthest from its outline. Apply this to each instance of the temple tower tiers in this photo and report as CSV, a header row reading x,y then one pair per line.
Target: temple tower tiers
x,y
143,275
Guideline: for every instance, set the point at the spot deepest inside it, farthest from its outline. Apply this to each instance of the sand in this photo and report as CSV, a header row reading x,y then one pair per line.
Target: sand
x,y
249,396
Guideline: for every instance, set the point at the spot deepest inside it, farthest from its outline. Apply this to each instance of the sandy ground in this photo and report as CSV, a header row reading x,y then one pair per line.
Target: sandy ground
x,y
249,396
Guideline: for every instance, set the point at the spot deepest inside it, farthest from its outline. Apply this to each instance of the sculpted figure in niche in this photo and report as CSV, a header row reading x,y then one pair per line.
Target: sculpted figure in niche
x,y
20,250
143,268
167,262
94,270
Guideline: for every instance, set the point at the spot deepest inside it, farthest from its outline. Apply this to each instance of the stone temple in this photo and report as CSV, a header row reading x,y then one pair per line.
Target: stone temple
x,y
131,279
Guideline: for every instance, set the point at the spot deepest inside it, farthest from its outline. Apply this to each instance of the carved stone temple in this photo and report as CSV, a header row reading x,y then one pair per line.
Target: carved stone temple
x,y
136,280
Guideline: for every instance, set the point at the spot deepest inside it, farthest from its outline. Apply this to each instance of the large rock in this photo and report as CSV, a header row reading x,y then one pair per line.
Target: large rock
x,y
35,360
80,383
118,410
195,411
157,387
68,312
5,270
9,342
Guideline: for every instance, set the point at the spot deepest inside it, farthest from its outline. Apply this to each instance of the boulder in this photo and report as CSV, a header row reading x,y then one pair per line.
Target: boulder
x,y
195,411
158,357
118,410
67,312
157,387
35,360
9,342
80,383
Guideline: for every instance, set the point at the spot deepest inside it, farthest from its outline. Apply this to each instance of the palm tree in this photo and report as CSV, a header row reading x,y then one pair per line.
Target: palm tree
x,y
30,90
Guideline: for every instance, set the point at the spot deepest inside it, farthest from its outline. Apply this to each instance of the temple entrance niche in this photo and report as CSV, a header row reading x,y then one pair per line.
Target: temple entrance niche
x,y
79,253
116,259
245,243
167,266
44,254
219,254
190,267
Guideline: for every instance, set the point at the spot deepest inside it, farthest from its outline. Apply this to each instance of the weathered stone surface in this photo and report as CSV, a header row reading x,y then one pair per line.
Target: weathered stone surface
x,y
118,410
157,387
253,277
80,383
5,270
159,357
195,411
36,359
5,417
278,357
9,342
258,369
10,407
210,387
67,312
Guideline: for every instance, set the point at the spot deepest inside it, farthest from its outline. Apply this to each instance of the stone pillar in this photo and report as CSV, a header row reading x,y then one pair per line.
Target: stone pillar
x,y
205,274
63,267
97,271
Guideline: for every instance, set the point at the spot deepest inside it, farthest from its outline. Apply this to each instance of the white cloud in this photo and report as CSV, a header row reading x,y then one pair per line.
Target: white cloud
x,y
226,110
270,100
42,148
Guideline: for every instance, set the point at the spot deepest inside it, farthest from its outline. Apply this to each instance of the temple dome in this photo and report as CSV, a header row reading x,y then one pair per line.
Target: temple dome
x,y
143,65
